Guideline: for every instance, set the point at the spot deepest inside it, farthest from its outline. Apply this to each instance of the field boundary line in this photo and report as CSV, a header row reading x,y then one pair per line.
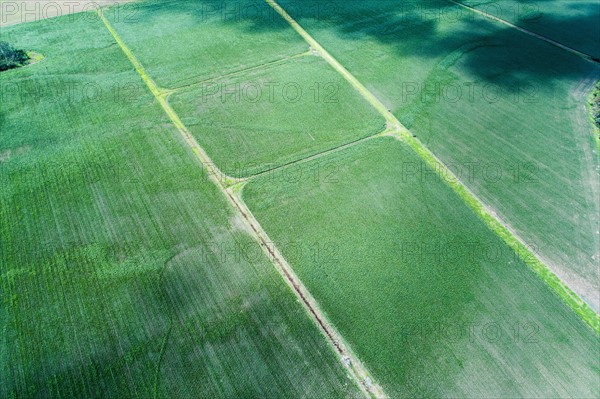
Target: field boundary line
x,y
350,363
316,156
581,54
510,238
400,132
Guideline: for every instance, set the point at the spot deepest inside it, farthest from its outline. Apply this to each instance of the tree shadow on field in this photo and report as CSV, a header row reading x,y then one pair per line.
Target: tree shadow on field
x,y
250,16
423,29
575,24
429,29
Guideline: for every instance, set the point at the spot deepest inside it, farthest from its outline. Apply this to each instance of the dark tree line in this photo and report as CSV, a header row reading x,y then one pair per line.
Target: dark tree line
x,y
11,57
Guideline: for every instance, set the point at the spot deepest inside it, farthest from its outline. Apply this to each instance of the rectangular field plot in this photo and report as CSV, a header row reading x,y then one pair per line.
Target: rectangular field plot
x,y
427,296
574,23
270,116
181,42
124,272
506,111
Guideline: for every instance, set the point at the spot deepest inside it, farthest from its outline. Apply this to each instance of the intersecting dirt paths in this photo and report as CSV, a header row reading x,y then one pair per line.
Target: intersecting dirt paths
x,y
354,367
488,216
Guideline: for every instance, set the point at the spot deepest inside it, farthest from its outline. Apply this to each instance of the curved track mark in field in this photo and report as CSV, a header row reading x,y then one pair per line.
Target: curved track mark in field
x,y
528,32
502,229
160,358
355,369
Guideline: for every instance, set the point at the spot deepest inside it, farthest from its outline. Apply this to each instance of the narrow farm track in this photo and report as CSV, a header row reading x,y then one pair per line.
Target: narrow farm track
x,y
317,155
370,97
503,230
352,364
528,32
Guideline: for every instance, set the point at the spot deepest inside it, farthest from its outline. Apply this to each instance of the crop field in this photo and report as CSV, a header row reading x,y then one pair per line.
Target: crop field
x,y
263,119
23,11
486,100
124,272
182,42
299,199
423,304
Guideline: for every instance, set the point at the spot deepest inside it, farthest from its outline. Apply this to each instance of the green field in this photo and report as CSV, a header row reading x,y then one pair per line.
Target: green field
x,y
124,272
487,101
201,199
182,42
426,305
262,119
261,100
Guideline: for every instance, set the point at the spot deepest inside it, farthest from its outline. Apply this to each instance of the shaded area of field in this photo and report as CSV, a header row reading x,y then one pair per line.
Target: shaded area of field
x,y
262,119
431,300
575,23
123,271
505,110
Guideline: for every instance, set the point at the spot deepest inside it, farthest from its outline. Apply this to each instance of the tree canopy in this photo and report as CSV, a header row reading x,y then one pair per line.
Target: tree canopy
x,y
11,57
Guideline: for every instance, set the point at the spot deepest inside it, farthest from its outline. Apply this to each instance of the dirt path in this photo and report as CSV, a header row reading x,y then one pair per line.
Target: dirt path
x,y
352,364
502,229
528,32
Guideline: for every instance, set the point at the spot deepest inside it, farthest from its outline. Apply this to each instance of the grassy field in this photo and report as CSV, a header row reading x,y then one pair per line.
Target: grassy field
x,y
424,292
573,23
123,270
486,100
126,271
261,119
